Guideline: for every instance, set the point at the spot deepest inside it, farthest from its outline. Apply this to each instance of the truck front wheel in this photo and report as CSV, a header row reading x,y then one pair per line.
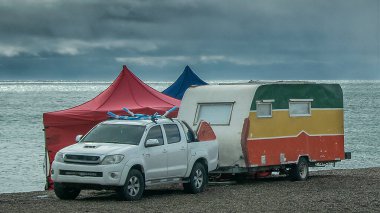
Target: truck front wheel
x,y
65,193
134,186
300,171
198,179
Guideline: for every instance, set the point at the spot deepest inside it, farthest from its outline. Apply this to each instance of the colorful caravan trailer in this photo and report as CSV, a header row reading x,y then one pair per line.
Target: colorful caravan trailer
x,y
275,126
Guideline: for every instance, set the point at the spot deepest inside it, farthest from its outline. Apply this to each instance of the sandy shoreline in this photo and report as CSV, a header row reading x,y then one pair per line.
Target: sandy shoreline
x,y
334,190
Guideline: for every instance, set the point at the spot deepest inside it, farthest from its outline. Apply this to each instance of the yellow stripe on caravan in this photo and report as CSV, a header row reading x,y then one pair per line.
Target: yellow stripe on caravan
x,y
282,125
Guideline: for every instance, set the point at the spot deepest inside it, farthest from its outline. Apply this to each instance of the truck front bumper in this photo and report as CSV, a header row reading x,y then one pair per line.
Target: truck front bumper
x,y
106,175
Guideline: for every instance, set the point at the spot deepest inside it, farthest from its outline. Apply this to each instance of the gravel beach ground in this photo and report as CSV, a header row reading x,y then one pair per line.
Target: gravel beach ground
x,y
356,190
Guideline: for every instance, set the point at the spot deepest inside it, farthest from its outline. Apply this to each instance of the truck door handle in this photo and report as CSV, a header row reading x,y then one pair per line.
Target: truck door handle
x,y
147,155
164,151
183,148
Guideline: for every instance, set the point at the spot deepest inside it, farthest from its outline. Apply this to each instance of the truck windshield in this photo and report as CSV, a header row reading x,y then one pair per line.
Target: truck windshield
x,y
115,133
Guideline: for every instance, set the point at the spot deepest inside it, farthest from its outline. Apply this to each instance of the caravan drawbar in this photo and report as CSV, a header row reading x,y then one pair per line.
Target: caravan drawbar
x,y
279,126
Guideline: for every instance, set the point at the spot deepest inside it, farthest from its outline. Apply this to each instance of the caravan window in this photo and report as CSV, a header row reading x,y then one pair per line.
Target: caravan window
x,y
298,108
264,110
214,113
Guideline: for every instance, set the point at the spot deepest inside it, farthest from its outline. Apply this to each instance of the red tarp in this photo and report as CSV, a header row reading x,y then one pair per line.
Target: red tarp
x,y
127,90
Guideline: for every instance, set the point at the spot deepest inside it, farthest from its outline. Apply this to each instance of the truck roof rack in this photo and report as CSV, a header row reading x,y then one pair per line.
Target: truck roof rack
x,y
134,116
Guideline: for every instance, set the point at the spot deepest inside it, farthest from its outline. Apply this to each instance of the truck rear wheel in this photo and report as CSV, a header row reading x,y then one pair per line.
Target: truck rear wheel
x,y
300,171
65,193
134,186
198,179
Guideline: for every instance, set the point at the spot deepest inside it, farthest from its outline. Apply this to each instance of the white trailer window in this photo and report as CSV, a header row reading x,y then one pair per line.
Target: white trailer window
x,y
299,108
264,110
214,113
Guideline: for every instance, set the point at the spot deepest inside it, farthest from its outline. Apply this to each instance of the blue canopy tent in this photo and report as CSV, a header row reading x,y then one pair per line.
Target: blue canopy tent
x,y
185,80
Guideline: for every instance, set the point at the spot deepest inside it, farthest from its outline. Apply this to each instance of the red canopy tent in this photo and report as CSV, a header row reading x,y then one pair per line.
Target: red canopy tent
x,y
127,90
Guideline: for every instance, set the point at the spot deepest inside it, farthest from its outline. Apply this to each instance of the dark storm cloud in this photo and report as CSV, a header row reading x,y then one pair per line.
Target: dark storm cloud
x,y
221,39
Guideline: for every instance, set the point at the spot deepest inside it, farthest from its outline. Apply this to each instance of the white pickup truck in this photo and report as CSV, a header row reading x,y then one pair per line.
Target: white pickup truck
x,y
129,155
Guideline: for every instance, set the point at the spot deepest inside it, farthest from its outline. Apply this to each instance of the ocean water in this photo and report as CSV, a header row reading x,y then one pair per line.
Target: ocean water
x,y
22,139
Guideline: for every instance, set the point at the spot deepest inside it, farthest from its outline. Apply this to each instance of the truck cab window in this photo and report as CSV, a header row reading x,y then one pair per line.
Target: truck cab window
x,y
155,133
116,133
172,133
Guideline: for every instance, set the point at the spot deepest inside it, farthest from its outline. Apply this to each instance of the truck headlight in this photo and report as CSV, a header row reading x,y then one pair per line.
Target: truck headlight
x,y
112,159
59,157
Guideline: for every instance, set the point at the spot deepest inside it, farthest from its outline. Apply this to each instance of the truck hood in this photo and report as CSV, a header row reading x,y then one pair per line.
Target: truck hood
x,y
98,148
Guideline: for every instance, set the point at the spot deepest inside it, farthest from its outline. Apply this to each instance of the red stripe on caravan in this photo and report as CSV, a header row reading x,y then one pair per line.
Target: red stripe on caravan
x,y
276,151
244,140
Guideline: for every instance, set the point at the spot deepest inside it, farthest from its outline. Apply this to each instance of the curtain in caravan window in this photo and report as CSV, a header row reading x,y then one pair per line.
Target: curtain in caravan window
x,y
299,108
214,113
264,110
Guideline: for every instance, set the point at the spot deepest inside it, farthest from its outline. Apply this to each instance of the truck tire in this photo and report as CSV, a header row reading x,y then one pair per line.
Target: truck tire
x,y
300,171
134,186
65,193
197,180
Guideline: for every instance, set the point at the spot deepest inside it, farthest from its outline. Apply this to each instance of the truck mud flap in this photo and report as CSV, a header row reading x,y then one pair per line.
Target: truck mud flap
x,y
347,155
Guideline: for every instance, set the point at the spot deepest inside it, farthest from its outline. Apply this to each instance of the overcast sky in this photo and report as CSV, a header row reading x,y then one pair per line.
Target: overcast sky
x,y
219,39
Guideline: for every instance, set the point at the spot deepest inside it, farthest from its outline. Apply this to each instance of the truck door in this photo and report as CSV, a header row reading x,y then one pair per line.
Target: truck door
x,y
155,156
177,151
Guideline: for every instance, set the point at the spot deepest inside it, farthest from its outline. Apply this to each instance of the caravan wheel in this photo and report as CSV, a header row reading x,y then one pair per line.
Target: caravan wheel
x,y
300,171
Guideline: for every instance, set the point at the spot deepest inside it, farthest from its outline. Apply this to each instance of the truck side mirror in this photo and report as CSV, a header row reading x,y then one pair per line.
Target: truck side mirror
x,y
78,137
152,142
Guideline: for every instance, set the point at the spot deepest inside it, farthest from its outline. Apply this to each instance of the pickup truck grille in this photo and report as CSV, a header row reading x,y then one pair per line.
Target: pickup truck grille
x,y
82,159
81,173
